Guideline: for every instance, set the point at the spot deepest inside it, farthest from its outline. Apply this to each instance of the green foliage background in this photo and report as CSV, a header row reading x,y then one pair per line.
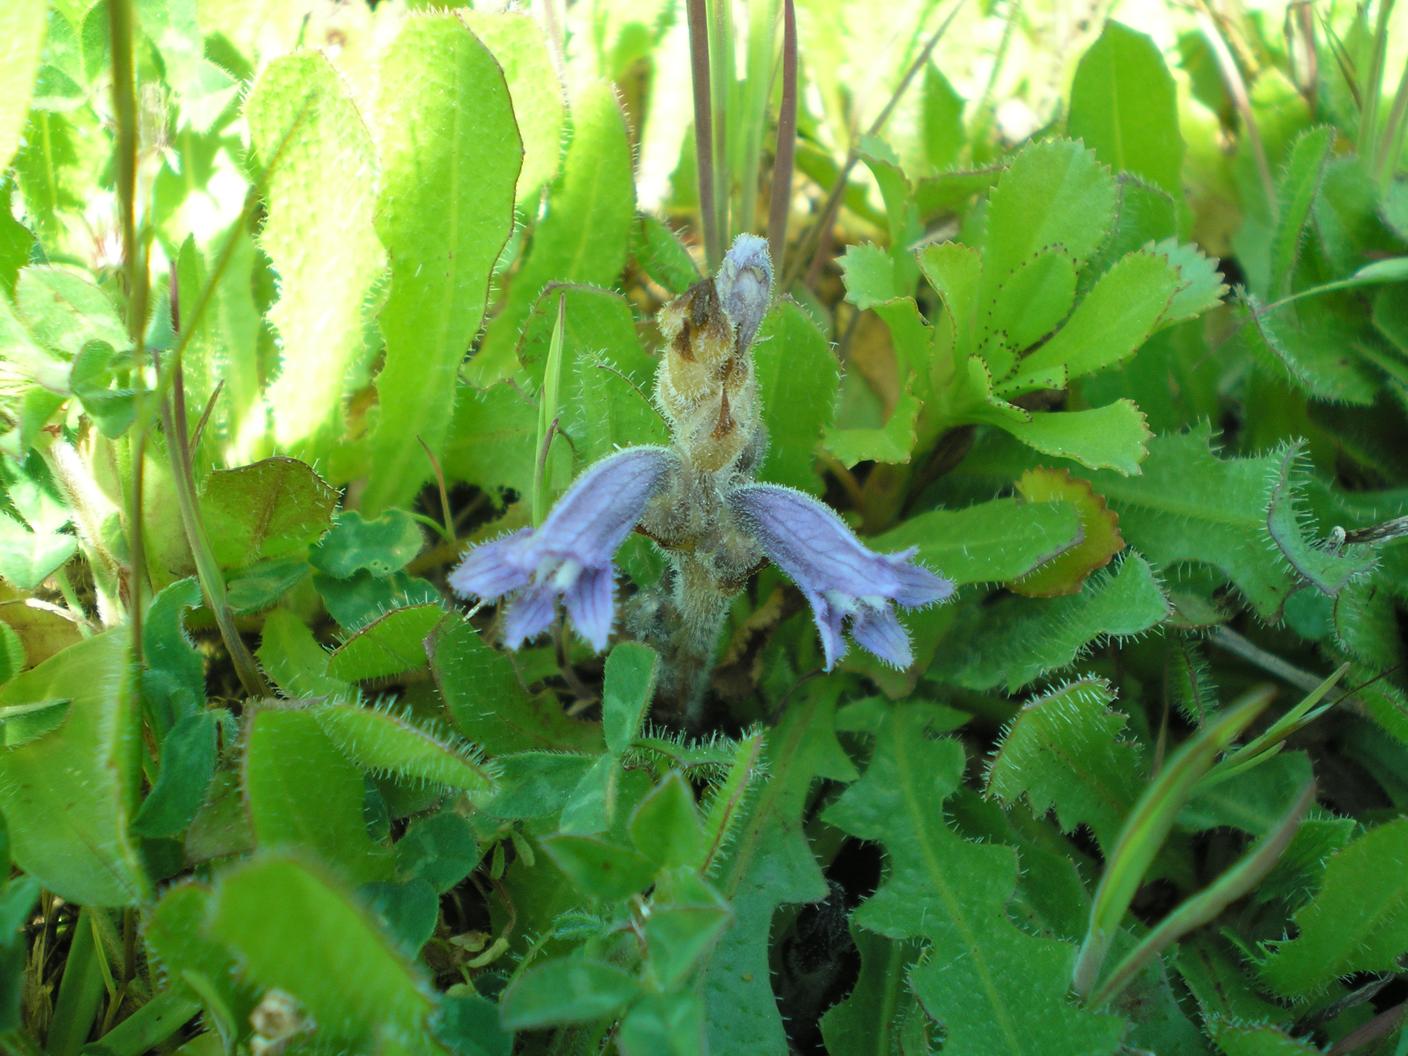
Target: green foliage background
x,y
1105,314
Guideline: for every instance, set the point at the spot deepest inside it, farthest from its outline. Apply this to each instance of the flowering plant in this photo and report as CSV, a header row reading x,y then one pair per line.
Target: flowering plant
x,y
699,503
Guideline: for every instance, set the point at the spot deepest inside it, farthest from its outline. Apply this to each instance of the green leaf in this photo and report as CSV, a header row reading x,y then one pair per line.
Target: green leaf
x,y
1145,829
1031,303
1125,108
584,236
1200,285
385,744
491,439
664,1025
1098,776
27,558
12,655
96,369
566,990
1053,193
442,230
1258,1039
21,43
760,860
993,986
536,784
990,542
797,380
489,705
1296,191
187,767
663,256
867,1020
173,683
440,849
1304,347
1115,436
1038,637
686,917
262,585
468,1024
869,274
1358,922
600,869
344,971
521,50
303,793
606,378
275,508
195,962
626,693
365,597
1189,505
892,442
293,659
68,797
304,129
391,644
665,826
65,309
1111,321
380,546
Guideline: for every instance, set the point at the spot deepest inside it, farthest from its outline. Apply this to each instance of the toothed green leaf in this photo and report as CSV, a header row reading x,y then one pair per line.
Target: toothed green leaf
x,y
391,644
584,235
488,703
1098,776
1358,922
763,864
444,212
275,508
1054,193
1112,320
1237,514
994,987
1115,436
304,126
380,742
1041,636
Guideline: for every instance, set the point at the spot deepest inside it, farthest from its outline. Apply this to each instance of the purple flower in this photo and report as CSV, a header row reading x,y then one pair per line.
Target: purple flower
x,y
570,553
839,575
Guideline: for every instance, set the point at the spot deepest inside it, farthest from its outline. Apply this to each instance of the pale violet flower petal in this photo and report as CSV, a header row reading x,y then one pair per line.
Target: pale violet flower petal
x,y
494,569
570,554
841,577
590,604
878,631
829,625
529,614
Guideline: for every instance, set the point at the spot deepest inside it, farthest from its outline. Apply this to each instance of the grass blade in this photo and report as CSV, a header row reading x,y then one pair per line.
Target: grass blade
x,y
1145,830
1207,904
